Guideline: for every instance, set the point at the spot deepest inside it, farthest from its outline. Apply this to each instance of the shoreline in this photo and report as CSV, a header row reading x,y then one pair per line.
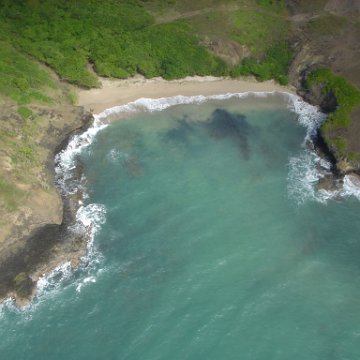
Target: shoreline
x,y
47,245
115,92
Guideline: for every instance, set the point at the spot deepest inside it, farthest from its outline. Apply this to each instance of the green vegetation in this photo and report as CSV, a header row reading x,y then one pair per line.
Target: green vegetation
x,y
186,58
184,6
347,96
326,25
259,31
353,156
10,195
221,24
340,144
72,95
274,65
25,154
117,37
21,79
24,112
272,5
264,34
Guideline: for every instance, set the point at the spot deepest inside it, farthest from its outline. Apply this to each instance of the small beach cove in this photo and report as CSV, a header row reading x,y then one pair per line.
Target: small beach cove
x,y
113,92
200,241
119,99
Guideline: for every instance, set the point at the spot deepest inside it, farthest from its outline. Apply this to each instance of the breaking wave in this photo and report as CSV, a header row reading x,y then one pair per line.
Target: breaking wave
x,y
151,105
306,169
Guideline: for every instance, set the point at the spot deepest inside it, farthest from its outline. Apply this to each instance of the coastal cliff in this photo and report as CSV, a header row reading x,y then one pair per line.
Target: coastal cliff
x,y
36,236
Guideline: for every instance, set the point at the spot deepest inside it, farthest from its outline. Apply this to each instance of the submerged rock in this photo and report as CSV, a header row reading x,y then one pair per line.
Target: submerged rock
x,y
180,132
224,124
133,166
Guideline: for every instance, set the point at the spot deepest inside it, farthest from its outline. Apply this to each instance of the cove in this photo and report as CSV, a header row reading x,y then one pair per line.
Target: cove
x,y
212,242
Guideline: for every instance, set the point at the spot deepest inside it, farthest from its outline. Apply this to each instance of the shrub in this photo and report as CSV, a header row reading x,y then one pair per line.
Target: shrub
x,y
24,112
347,96
274,65
117,36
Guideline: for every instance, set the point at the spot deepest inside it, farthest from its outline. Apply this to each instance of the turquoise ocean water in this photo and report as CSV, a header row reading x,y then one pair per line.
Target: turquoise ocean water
x,y
211,242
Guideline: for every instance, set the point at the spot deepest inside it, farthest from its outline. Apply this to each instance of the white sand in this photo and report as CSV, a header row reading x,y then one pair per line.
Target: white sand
x,y
115,92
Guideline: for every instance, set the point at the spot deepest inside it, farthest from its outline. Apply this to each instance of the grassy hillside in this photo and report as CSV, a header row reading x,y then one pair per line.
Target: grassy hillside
x,y
120,38
21,79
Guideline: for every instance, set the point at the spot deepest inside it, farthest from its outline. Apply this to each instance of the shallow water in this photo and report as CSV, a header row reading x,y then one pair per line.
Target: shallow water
x,y
212,248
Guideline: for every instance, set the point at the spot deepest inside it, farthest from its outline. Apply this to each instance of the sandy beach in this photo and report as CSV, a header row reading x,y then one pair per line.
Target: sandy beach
x,y
115,92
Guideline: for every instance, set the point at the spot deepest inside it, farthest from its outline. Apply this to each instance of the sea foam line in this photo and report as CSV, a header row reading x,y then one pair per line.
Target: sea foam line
x,y
159,104
306,169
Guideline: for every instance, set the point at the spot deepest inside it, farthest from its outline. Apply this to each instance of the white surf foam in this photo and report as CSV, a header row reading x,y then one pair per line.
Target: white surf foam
x,y
54,279
305,171
309,116
151,105
46,284
66,159
91,217
8,305
308,168
351,186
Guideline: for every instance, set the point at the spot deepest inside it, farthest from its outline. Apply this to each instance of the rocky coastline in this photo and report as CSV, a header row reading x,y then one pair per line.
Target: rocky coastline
x,y
36,252
326,101
49,245
35,237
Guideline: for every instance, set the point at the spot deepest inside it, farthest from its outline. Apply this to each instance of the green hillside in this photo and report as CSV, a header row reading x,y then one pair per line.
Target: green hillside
x,y
121,38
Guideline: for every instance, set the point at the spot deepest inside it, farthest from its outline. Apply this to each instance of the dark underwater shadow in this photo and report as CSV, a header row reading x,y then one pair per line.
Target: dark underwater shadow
x,y
223,124
180,133
220,125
